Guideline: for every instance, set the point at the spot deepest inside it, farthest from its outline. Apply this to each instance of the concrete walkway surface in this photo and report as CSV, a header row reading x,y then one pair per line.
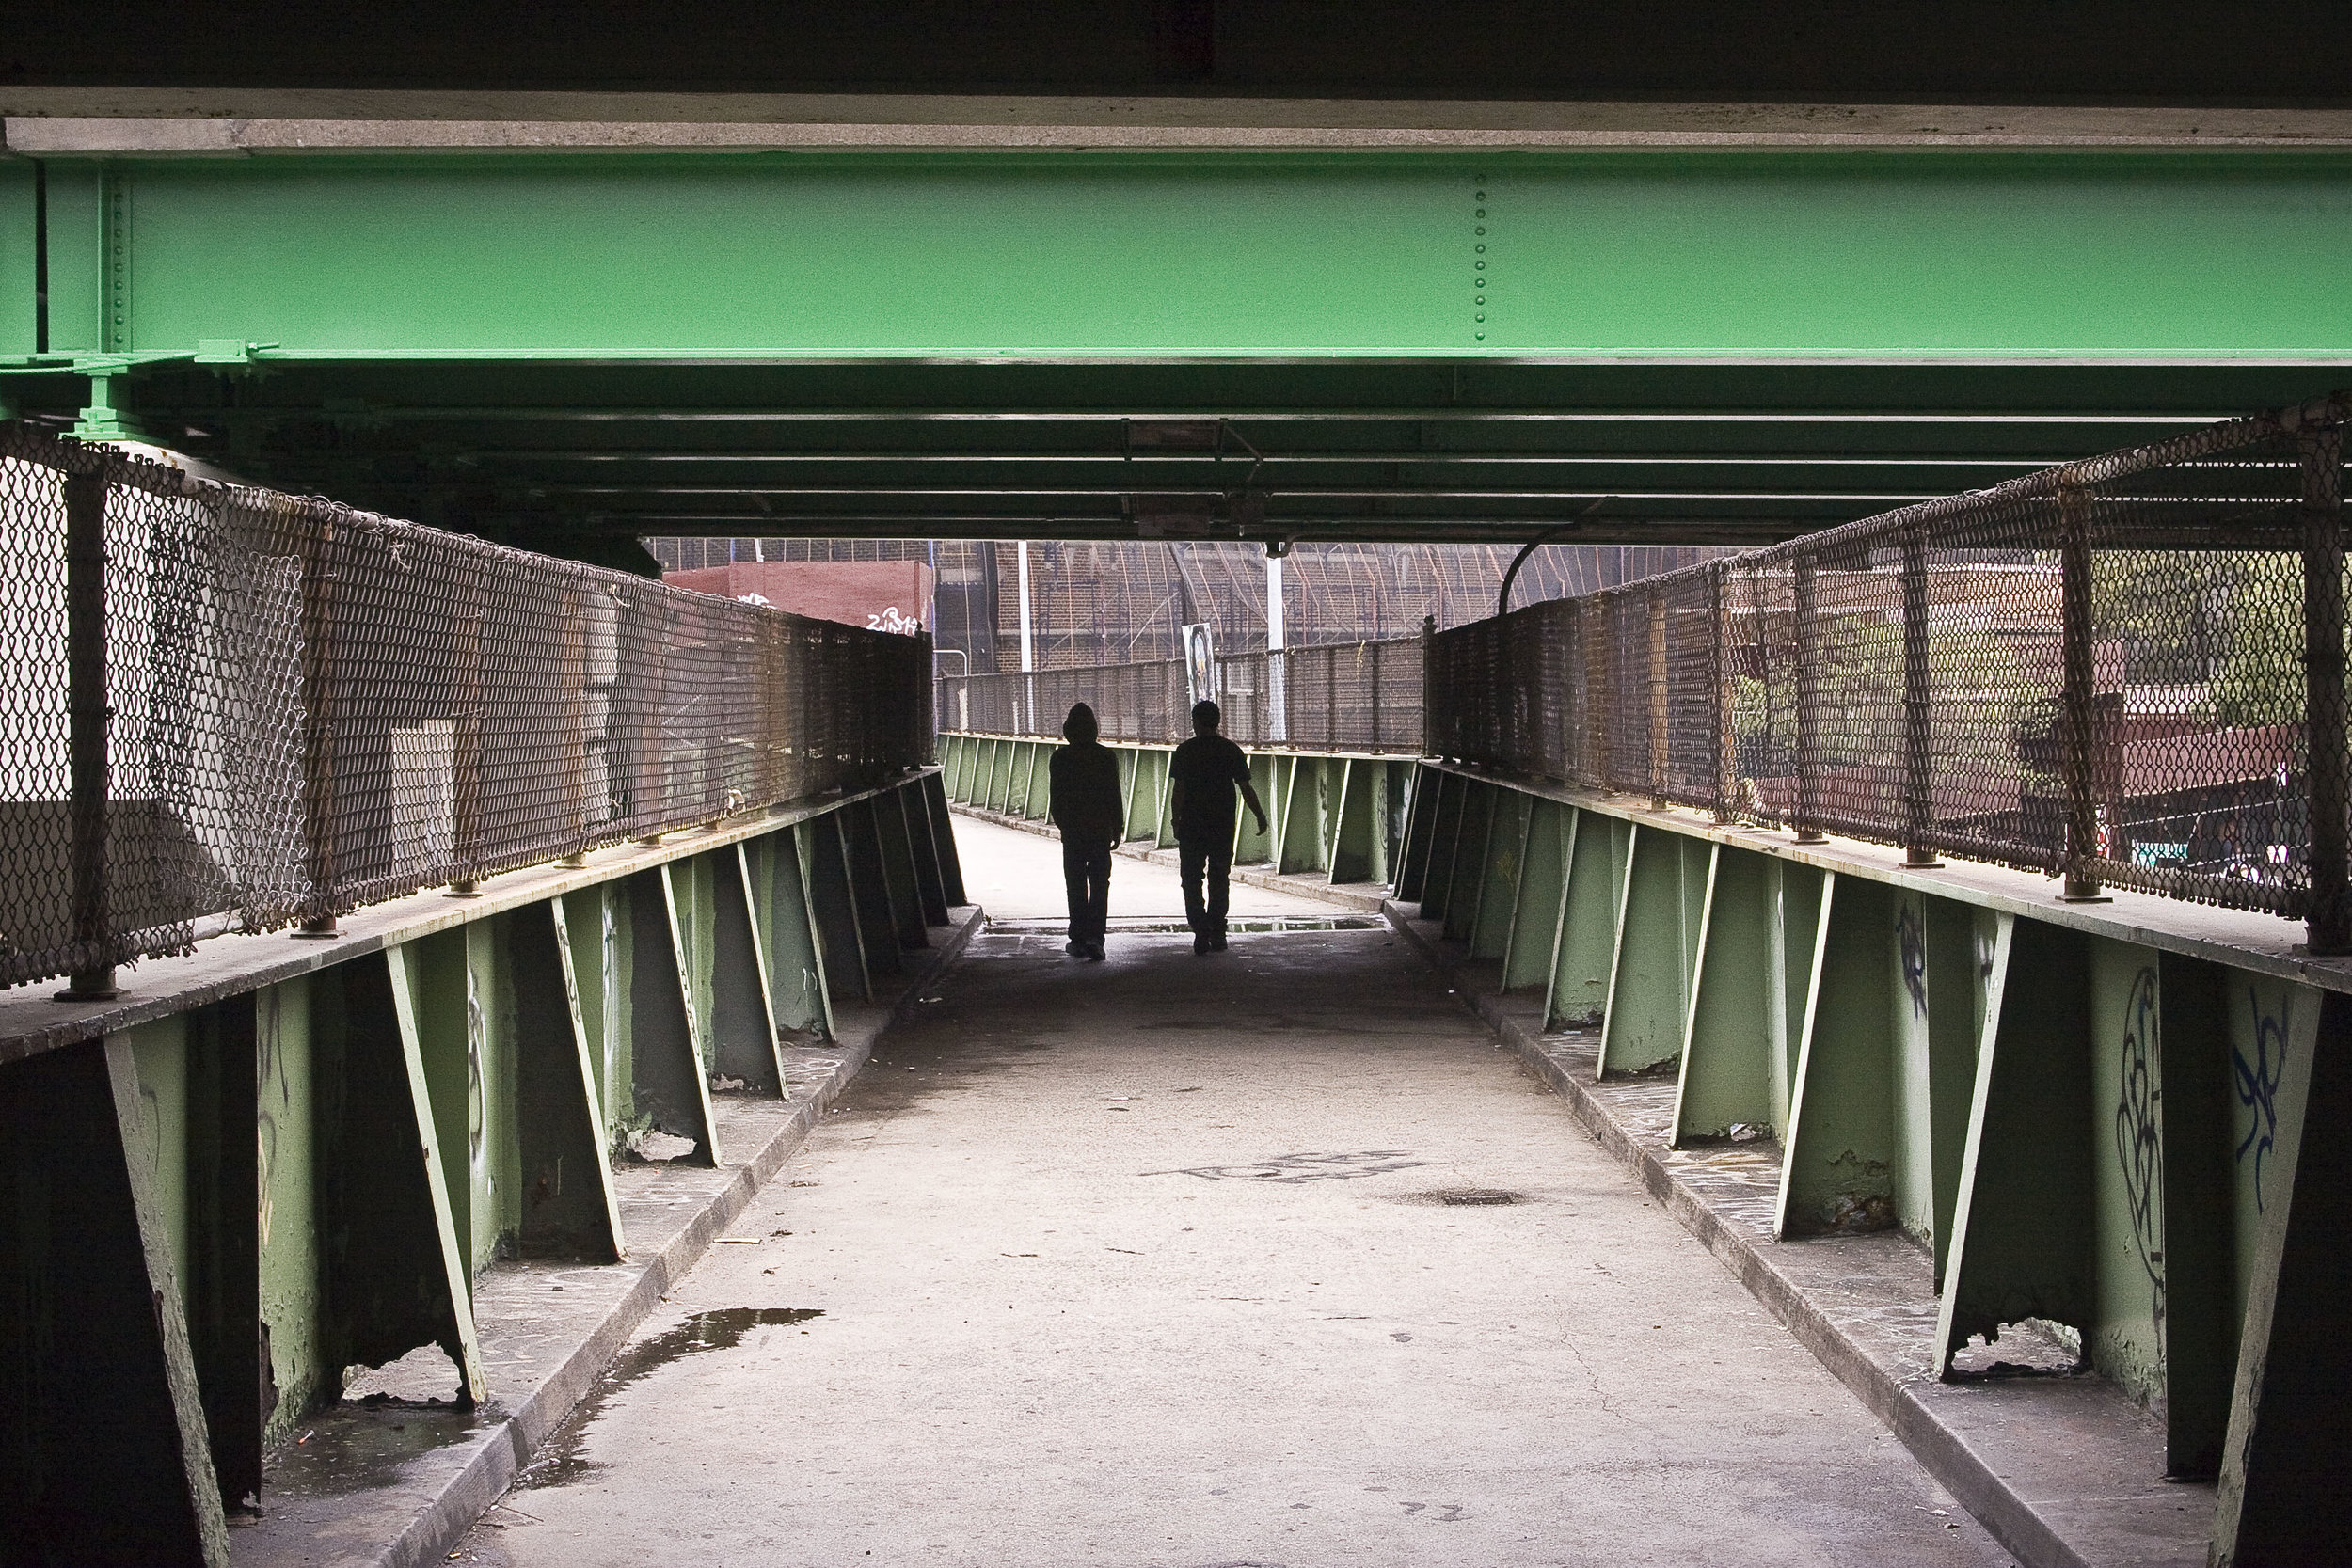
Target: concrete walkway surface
x,y
1272,1258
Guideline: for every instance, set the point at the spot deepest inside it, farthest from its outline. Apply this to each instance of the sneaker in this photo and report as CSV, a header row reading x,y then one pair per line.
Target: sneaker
x,y
1200,947
1075,948
1093,954
1216,943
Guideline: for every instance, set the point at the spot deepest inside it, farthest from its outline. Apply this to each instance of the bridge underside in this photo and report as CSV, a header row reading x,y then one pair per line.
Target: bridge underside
x,y
562,348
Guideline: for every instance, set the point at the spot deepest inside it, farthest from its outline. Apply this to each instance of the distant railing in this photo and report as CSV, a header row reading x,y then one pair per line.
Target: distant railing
x,y
2098,670
231,706
1355,697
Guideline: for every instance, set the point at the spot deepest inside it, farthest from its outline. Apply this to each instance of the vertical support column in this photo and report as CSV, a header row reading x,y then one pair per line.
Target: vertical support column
x,y
1719,689
87,715
318,539
1808,815
1660,711
2077,716
1918,697
466,762
2330,921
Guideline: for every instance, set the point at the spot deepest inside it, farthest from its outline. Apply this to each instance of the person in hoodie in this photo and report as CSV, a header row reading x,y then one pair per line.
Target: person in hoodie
x,y
1091,813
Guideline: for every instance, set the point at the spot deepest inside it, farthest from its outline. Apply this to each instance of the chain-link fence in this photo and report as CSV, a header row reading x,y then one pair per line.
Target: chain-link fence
x,y
1362,697
2097,671
230,707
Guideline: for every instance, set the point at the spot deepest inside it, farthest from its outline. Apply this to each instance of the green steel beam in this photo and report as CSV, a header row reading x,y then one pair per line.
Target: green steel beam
x,y
1695,255
1729,346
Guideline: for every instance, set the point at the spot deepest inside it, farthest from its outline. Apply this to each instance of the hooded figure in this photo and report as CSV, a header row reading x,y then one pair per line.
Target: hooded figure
x,y
1086,806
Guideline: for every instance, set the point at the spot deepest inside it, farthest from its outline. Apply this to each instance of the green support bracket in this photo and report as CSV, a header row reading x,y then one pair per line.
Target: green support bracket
x,y
914,803
1600,867
1299,835
796,974
1421,831
1726,1077
569,1208
1797,891
869,887
1162,829
103,1452
1250,846
2285,1493
840,941
404,982
1649,985
2196,1227
944,841
1532,942
742,1015
672,1088
1467,863
1503,864
1837,1171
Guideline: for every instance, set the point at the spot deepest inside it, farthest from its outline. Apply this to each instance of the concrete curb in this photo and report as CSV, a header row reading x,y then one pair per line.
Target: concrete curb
x,y
1371,898
498,1449
1983,1485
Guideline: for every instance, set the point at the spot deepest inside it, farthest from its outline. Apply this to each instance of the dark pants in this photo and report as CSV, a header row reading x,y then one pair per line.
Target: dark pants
x,y
1086,871
1213,857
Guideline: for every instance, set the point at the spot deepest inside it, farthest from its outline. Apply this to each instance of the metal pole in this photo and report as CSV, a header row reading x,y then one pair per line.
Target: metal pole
x,y
2330,921
1807,813
1719,684
1277,684
87,714
1660,713
1918,758
1026,722
316,543
1430,696
2079,702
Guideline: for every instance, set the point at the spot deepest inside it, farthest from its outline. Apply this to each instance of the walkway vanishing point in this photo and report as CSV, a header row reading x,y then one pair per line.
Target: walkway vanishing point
x,y
1271,1258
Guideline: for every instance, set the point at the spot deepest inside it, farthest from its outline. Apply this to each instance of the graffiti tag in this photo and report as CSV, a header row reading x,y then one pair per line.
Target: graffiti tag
x,y
2139,1131
1912,939
2258,1087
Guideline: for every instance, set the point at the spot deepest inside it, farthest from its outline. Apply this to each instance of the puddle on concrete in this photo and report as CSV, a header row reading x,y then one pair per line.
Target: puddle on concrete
x,y
560,1462
1144,926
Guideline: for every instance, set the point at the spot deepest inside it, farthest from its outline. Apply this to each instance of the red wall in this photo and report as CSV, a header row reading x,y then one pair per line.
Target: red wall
x,y
882,595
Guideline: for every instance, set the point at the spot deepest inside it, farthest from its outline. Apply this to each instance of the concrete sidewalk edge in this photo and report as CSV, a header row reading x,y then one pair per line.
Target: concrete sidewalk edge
x,y
502,1451
1371,898
1945,1455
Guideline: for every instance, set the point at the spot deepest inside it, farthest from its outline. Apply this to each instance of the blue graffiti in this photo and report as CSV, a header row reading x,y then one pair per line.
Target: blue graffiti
x,y
1914,942
2258,1087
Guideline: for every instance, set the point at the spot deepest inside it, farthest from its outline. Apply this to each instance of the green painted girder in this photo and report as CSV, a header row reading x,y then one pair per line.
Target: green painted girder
x,y
1674,254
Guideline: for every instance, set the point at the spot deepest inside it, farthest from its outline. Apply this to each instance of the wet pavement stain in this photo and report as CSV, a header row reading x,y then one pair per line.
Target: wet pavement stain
x,y
560,1462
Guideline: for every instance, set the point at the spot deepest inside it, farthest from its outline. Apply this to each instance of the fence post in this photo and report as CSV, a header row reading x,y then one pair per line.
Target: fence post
x,y
1719,684
1918,758
466,747
2330,925
2078,702
1598,635
318,540
1429,682
1807,811
87,714
1375,648
1660,711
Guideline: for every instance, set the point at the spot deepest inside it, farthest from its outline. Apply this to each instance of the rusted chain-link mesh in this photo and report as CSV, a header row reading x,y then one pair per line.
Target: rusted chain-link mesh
x,y
1362,697
2096,670
313,708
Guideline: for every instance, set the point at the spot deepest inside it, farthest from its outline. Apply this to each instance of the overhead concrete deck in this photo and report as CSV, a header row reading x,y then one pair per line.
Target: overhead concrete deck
x,y
1149,1262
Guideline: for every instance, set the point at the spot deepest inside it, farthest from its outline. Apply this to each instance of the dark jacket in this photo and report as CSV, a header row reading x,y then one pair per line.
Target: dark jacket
x,y
1087,804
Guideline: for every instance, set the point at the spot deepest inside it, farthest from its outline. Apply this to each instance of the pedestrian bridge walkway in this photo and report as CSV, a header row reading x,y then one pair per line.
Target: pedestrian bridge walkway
x,y
1269,1256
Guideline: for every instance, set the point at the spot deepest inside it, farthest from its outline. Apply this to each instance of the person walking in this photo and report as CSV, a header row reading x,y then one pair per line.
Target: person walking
x,y
1202,776
1086,806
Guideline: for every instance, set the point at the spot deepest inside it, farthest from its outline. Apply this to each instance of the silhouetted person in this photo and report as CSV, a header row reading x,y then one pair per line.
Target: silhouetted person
x,y
1091,815
1202,779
